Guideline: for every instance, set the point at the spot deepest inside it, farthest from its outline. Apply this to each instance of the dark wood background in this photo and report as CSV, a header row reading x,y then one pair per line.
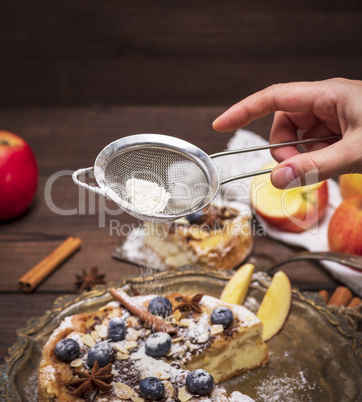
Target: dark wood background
x,y
76,75
163,52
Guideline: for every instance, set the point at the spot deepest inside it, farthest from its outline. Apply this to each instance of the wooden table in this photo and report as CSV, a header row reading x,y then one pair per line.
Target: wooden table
x,y
64,140
70,70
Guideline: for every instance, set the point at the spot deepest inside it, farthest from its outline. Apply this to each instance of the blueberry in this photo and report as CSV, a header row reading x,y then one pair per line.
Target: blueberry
x,y
67,350
117,329
158,344
102,352
195,217
200,382
152,388
161,306
222,315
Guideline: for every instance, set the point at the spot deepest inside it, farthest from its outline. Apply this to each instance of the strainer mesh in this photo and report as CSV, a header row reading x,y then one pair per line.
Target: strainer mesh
x,y
182,177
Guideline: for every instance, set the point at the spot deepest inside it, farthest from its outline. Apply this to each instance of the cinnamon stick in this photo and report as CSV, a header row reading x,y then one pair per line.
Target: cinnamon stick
x,y
356,301
29,281
324,294
341,297
154,322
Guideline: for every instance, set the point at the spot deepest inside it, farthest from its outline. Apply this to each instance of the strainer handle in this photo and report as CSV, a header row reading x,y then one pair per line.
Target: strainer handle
x,y
245,175
96,190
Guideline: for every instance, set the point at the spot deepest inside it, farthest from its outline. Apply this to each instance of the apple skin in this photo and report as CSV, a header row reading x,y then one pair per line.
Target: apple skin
x,y
312,203
345,227
350,184
18,175
305,217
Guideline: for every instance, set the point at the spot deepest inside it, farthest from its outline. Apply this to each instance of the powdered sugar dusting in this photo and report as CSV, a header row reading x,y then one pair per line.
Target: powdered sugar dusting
x,y
133,249
66,323
150,366
284,388
146,197
49,372
238,397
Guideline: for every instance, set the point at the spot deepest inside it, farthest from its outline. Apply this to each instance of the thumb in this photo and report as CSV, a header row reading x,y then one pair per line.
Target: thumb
x,y
312,167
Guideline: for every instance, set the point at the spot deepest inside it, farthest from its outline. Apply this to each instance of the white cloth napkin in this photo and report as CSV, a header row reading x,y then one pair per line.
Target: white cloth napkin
x,y
239,191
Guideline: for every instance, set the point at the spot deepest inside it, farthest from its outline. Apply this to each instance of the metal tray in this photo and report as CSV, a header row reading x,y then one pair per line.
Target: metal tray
x,y
316,357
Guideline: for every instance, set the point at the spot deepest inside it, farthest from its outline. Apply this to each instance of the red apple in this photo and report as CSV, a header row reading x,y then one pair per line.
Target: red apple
x,y
290,210
345,227
350,184
18,175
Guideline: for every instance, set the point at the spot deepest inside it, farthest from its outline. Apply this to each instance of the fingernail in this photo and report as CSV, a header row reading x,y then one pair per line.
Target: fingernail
x,y
283,176
216,120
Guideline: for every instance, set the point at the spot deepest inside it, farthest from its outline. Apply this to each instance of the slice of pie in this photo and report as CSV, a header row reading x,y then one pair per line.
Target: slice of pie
x,y
174,348
216,238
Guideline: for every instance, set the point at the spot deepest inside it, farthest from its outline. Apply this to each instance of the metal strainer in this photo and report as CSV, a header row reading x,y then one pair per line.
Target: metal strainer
x,y
180,177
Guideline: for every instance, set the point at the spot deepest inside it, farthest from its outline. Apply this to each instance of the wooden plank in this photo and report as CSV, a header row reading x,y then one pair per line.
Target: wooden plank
x,y
208,53
81,29
168,82
70,138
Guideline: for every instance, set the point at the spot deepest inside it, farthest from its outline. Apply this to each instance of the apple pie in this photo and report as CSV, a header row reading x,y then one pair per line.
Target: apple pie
x,y
174,348
215,238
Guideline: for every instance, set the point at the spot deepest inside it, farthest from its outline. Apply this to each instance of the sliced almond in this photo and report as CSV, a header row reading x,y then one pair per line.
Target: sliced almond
x,y
130,344
163,375
95,336
123,391
120,347
88,340
102,331
204,337
137,399
132,334
168,389
216,329
132,321
122,356
177,315
177,339
184,395
76,363
185,322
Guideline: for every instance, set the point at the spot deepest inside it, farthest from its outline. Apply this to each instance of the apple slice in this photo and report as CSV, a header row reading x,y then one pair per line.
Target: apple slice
x,y
236,289
275,306
291,210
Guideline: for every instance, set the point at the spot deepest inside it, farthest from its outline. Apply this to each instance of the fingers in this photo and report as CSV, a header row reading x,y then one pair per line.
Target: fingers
x,y
285,128
291,97
303,169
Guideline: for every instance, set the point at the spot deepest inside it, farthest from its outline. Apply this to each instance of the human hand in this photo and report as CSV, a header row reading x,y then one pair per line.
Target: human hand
x,y
318,109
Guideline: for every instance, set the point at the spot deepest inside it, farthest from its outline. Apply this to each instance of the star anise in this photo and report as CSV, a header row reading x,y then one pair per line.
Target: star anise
x,y
98,377
88,280
192,304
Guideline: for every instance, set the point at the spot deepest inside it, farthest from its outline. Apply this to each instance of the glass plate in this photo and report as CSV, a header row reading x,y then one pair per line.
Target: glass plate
x,y
316,357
